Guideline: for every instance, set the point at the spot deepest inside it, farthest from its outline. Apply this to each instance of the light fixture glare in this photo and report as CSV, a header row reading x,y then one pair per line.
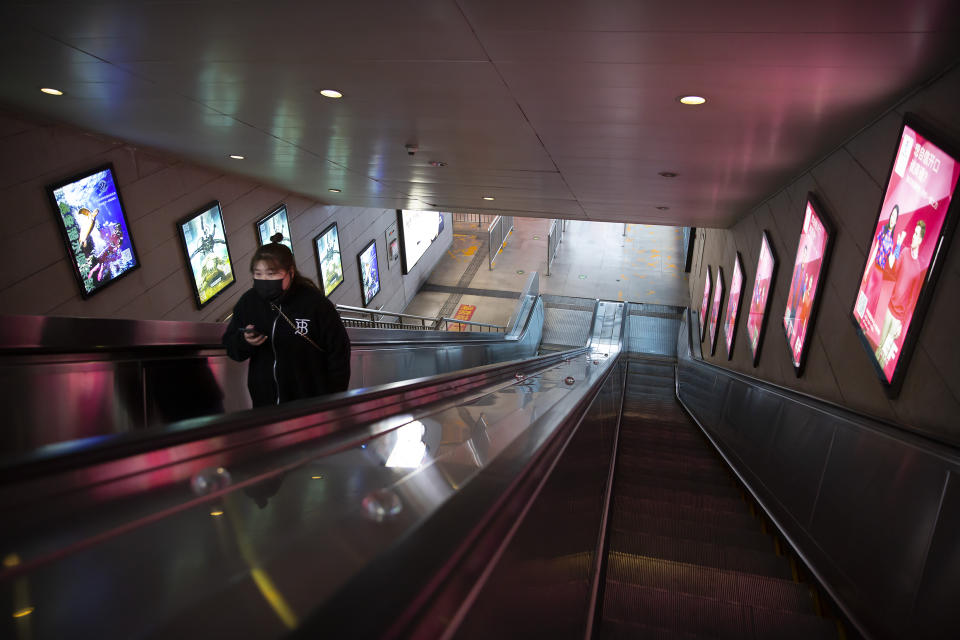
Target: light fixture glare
x,y
330,93
52,92
692,100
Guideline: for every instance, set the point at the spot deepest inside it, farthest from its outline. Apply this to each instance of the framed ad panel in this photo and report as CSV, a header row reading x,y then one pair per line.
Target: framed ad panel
x,y
275,223
369,272
715,310
93,224
329,262
809,272
914,225
733,305
705,306
761,296
204,244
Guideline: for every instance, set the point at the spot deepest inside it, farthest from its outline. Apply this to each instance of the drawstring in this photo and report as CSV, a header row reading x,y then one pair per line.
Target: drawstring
x,y
294,327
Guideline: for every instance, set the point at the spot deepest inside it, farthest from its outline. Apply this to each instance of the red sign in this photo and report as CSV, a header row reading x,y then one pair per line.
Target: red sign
x,y
906,240
464,312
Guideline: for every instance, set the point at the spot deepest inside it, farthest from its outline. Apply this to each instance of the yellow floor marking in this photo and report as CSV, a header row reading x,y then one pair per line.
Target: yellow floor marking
x,y
654,252
620,295
622,275
651,264
651,292
469,251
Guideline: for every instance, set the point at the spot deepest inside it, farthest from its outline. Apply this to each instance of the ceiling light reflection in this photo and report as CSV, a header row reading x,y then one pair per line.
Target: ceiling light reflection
x,y
52,92
692,100
331,93
409,450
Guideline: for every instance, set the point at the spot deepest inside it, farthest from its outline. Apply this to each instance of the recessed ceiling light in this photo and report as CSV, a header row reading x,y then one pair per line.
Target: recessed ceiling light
x,y
330,93
237,157
692,100
667,174
216,513
52,92
489,198
334,190
662,208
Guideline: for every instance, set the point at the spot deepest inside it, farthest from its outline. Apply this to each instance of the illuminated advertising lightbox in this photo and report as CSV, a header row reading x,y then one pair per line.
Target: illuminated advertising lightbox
x,y
715,310
329,264
369,272
92,221
913,227
205,246
704,306
418,230
272,224
733,304
760,300
809,270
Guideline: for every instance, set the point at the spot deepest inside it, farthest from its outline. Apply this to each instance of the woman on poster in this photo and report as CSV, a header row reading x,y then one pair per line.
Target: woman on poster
x,y
881,261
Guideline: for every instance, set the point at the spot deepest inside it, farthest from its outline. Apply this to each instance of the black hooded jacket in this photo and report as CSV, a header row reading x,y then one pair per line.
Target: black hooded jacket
x,y
286,366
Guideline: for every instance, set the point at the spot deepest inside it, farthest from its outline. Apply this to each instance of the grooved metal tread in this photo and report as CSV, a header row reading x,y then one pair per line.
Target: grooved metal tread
x,y
682,530
673,615
626,573
639,507
702,553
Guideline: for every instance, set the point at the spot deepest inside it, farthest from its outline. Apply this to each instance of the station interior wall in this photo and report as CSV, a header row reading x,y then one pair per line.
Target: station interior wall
x,y
157,190
849,183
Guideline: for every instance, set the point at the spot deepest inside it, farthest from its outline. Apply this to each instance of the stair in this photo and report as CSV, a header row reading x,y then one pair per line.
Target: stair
x,y
686,558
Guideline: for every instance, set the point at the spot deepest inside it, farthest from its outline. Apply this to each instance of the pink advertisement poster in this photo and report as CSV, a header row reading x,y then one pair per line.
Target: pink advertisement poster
x,y
804,281
761,293
715,310
703,306
733,305
905,241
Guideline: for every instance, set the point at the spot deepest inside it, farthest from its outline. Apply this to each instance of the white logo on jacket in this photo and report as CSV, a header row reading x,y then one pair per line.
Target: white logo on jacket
x,y
302,327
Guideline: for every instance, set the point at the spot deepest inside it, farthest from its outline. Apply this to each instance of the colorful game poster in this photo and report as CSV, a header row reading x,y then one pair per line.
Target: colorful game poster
x,y
760,300
464,312
94,228
804,283
907,238
205,245
703,306
275,223
733,305
369,272
715,310
329,264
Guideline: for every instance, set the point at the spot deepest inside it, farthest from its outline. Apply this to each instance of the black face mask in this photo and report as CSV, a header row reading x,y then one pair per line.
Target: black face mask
x,y
269,290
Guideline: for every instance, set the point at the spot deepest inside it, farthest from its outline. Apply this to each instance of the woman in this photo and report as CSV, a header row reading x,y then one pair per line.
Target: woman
x,y
880,261
296,342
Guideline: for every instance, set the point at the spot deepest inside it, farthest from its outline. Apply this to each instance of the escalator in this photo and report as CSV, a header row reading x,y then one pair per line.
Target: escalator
x,y
565,495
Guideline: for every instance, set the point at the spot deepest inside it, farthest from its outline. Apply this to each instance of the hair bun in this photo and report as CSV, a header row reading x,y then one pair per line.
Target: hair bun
x,y
277,237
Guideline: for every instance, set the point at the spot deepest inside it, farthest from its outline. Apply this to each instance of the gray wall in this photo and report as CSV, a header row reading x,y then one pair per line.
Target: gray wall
x,y
157,190
849,183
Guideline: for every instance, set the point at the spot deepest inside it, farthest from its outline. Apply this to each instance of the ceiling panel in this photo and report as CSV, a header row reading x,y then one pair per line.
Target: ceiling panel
x,y
555,108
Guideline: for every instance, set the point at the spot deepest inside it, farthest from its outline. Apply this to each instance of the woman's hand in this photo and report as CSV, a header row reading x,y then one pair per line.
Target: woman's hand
x,y
252,336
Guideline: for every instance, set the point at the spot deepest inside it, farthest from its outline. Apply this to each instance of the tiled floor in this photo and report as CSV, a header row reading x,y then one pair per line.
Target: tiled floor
x,y
595,260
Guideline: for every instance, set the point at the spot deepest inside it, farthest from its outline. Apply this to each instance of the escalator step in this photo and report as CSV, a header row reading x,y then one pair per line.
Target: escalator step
x,y
707,554
636,483
646,461
639,612
628,572
680,530
625,508
689,498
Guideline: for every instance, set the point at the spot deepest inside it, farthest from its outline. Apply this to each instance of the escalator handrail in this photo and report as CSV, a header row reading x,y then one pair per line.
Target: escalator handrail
x,y
71,456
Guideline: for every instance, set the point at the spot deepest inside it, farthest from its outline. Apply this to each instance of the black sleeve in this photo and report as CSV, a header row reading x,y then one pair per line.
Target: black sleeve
x,y
336,343
237,347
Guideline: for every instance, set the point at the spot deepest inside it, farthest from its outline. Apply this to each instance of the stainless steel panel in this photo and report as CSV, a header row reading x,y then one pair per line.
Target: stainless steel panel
x,y
936,614
63,400
124,375
875,517
796,459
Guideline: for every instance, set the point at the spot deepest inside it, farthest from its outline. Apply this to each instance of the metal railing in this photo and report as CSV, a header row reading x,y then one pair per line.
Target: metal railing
x,y
497,232
374,319
478,219
554,238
